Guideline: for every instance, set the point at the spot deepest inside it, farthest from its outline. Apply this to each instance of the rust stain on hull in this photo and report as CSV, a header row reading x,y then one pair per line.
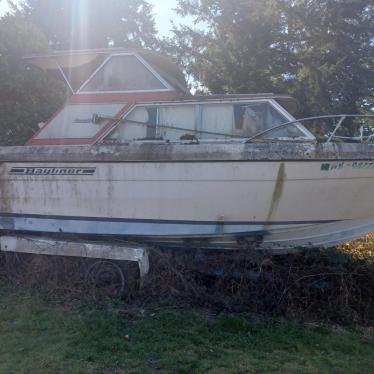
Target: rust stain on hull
x,y
278,190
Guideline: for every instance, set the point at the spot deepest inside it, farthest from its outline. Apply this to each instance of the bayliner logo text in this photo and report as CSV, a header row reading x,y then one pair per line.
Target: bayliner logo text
x,y
51,171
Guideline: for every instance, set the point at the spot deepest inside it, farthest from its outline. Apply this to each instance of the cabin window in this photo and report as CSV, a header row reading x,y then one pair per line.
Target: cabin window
x,y
76,121
78,74
253,118
223,121
177,121
123,73
151,122
139,124
216,121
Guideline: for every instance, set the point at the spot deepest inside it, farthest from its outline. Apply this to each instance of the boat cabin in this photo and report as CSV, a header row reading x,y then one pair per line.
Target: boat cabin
x,y
119,96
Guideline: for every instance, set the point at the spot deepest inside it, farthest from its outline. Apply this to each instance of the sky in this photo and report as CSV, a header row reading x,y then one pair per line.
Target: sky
x,y
162,9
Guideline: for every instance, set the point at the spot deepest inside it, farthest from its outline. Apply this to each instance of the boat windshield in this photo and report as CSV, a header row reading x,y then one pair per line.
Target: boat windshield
x,y
252,118
76,122
207,121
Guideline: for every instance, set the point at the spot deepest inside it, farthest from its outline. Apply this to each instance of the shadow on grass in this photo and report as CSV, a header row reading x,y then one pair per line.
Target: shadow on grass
x,y
47,334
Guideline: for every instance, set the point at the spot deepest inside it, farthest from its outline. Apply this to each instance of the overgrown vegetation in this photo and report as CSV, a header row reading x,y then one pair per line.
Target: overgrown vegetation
x,y
334,286
43,334
329,285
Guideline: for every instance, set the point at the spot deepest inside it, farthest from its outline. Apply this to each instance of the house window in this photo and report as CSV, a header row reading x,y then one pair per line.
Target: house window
x,y
123,73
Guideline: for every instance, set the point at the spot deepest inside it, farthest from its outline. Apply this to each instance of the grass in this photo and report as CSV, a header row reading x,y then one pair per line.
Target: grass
x,y
44,335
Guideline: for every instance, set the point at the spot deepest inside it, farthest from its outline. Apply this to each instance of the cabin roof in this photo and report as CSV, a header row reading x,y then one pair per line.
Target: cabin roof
x,y
58,60
165,66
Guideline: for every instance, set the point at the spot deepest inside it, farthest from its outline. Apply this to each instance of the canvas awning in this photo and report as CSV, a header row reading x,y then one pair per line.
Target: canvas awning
x,y
57,61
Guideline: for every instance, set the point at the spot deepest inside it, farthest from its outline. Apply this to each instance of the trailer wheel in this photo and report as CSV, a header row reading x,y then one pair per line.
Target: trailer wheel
x,y
106,278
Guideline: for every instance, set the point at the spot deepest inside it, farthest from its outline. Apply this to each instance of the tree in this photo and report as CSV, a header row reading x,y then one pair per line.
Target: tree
x,y
27,95
240,49
81,24
334,44
319,51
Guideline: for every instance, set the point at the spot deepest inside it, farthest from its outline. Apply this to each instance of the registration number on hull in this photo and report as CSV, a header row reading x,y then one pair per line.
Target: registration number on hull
x,y
329,166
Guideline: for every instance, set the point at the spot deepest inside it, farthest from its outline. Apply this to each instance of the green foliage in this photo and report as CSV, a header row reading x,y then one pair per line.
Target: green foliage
x,y
72,24
334,44
322,52
27,95
241,52
45,336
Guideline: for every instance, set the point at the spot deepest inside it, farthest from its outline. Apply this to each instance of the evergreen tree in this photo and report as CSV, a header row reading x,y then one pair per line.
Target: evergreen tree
x,y
81,24
240,49
27,95
333,41
322,52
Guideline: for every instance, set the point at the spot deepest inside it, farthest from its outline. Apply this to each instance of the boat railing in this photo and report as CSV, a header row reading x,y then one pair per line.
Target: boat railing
x,y
328,136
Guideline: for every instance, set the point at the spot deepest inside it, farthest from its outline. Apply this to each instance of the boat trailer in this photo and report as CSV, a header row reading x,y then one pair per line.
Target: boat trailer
x,y
107,255
40,246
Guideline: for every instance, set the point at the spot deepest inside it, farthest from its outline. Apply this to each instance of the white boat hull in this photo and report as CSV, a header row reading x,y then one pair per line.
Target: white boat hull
x,y
222,204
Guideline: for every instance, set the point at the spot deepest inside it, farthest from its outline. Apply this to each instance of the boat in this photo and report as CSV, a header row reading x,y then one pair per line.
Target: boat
x,y
132,156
